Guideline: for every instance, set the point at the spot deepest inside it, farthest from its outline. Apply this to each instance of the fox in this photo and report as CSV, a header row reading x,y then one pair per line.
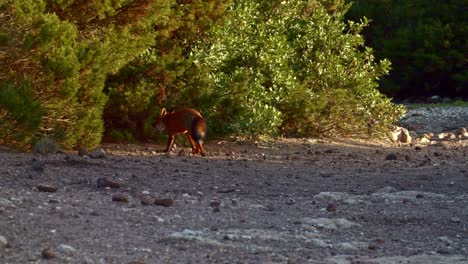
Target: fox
x,y
187,121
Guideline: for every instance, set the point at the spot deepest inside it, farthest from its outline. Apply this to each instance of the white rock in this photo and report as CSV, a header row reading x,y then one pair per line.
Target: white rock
x,y
98,153
418,259
330,223
3,242
5,203
399,134
66,249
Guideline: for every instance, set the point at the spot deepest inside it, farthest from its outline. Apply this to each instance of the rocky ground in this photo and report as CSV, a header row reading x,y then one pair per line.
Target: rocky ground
x,y
283,201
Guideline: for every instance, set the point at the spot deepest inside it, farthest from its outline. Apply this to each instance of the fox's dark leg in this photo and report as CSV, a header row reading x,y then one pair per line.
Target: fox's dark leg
x,y
201,150
170,142
192,143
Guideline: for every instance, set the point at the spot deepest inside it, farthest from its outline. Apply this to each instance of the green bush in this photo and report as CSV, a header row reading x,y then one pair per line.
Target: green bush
x,y
424,39
65,50
292,66
20,114
162,75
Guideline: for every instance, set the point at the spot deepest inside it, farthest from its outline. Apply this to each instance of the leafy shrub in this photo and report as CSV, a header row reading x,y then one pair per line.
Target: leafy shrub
x,y
424,39
294,66
65,50
20,114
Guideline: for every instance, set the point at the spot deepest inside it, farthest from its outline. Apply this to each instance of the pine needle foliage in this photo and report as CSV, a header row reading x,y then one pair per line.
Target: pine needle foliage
x,y
63,51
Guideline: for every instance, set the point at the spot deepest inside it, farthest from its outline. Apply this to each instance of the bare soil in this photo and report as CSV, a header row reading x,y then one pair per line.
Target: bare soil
x,y
282,201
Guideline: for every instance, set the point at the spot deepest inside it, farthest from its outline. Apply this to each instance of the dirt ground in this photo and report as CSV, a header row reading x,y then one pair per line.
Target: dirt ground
x,y
282,201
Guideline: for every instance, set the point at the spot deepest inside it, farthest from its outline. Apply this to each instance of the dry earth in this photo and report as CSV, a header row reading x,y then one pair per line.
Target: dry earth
x,y
283,201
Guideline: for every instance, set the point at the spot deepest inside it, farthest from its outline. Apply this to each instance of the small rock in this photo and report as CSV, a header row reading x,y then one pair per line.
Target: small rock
x,y
399,134
375,244
215,203
462,132
455,220
325,174
48,253
37,165
442,136
450,136
391,156
47,188
443,251
98,153
66,249
331,207
137,262
120,197
424,141
5,203
434,99
82,152
147,200
3,242
181,153
164,202
419,196
103,182
235,202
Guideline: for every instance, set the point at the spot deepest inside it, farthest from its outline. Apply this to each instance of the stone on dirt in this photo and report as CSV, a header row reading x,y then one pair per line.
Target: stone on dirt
x,y
5,203
47,188
399,134
147,200
331,207
104,182
391,156
37,165
329,223
66,249
98,153
166,202
3,242
418,259
120,197
48,253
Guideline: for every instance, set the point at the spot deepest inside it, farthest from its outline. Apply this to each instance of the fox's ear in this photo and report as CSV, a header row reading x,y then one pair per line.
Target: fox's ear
x,y
163,112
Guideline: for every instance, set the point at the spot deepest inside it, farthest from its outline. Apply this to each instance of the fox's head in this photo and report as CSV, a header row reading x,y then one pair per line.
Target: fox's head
x,y
159,122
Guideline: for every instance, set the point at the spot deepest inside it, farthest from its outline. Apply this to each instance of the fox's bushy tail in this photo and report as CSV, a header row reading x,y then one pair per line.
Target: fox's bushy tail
x,y
198,130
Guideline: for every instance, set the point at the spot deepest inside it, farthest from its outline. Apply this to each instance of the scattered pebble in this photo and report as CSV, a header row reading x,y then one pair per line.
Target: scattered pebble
x,y
104,182
47,188
215,203
164,202
375,244
82,152
3,242
5,203
66,249
98,153
120,197
331,207
391,156
147,200
37,165
48,253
